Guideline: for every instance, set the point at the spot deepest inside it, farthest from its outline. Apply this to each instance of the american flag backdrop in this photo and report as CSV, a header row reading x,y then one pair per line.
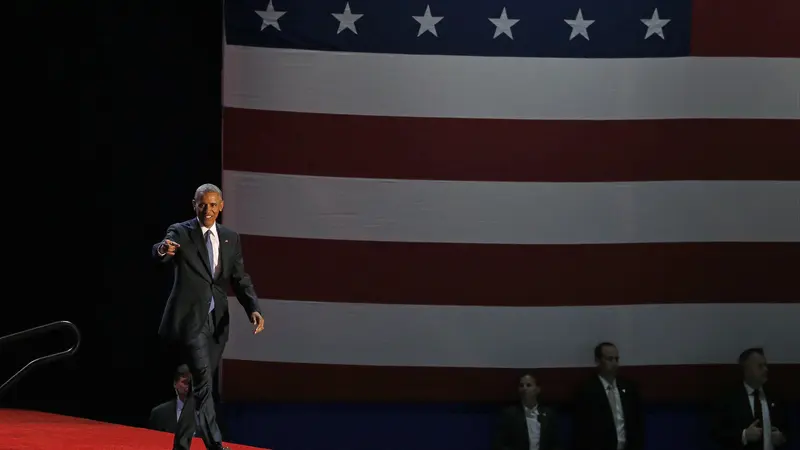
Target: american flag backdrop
x,y
436,194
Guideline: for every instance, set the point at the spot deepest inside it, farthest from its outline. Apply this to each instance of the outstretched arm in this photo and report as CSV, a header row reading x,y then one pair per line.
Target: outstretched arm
x,y
165,249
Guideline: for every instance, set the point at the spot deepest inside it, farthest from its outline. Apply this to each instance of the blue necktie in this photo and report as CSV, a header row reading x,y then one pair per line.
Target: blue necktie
x,y
210,249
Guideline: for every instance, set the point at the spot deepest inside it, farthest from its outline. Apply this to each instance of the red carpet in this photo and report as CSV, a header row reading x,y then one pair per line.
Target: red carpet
x,y
28,430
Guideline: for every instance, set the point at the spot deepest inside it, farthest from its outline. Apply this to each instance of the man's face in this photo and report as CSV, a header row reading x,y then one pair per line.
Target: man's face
x,y
207,207
528,390
608,363
182,386
755,370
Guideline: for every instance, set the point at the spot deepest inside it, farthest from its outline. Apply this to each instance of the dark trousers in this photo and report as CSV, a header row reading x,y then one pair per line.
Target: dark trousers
x,y
202,355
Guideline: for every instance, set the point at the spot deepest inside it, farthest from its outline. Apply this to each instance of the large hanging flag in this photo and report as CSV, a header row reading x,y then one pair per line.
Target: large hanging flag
x,y
436,194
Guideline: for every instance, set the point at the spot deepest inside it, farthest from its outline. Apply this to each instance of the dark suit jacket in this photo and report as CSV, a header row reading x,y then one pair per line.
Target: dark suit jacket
x,y
733,414
594,424
164,417
512,430
188,303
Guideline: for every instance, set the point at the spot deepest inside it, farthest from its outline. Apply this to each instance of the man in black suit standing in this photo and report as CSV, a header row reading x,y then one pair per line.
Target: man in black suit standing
x,y
164,417
748,417
527,425
608,411
207,258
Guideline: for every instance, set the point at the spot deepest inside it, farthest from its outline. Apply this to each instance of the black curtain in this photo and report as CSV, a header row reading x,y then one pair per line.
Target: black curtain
x,y
116,119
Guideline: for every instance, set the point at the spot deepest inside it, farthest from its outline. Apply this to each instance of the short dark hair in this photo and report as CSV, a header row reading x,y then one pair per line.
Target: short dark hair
x,y
528,373
745,355
598,350
182,371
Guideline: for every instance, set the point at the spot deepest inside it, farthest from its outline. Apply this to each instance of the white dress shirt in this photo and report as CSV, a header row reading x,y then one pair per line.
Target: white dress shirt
x,y
534,426
178,408
612,392
767,425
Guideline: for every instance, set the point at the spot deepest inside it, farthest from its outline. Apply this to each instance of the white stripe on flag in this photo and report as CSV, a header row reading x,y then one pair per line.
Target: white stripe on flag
x,y
511,213
510,88
471,336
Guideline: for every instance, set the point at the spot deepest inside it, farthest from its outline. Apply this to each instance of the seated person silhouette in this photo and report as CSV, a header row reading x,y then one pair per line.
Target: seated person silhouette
x,y
164,417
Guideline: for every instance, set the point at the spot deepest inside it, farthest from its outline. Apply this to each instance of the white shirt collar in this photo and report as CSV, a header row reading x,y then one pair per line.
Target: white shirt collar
x,y
606,384
750,389
204,229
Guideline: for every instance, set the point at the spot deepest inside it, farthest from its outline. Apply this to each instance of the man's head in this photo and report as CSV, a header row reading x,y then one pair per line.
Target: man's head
x,y
181,381
528,390
606,356
754,367
207,204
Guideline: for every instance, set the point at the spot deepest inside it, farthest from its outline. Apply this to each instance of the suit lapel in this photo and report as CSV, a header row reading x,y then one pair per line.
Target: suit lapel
x,y
521,425
745,402
544,426
200,243
224,248
770,404
602,394
173,416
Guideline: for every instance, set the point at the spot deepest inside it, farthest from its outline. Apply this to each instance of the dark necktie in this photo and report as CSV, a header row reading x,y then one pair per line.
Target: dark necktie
x,y
758,413
210,248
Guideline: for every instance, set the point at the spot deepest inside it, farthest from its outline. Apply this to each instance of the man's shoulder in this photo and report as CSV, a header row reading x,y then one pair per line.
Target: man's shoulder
x,y
513,412
182,228
732,391
724,398
223,230
546,411
169,404
627,383
511,409
589,384
185,225
773,397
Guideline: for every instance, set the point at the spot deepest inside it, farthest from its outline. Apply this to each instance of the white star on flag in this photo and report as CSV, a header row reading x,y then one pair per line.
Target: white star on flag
x,y
269,17
579,26
347,20
655,25
427,22
503,24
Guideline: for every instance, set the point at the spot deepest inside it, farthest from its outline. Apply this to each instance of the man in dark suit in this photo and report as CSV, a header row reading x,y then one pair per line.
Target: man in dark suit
x,y
608,411
164,417
748,417
527,425
208,259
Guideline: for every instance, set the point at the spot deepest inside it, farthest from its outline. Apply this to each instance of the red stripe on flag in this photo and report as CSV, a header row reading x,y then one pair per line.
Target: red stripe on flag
x,y
742,28
318,382
521,275
510,150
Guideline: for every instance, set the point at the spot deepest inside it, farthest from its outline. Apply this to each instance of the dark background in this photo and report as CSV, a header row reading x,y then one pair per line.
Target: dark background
x,y
134,87
113,118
